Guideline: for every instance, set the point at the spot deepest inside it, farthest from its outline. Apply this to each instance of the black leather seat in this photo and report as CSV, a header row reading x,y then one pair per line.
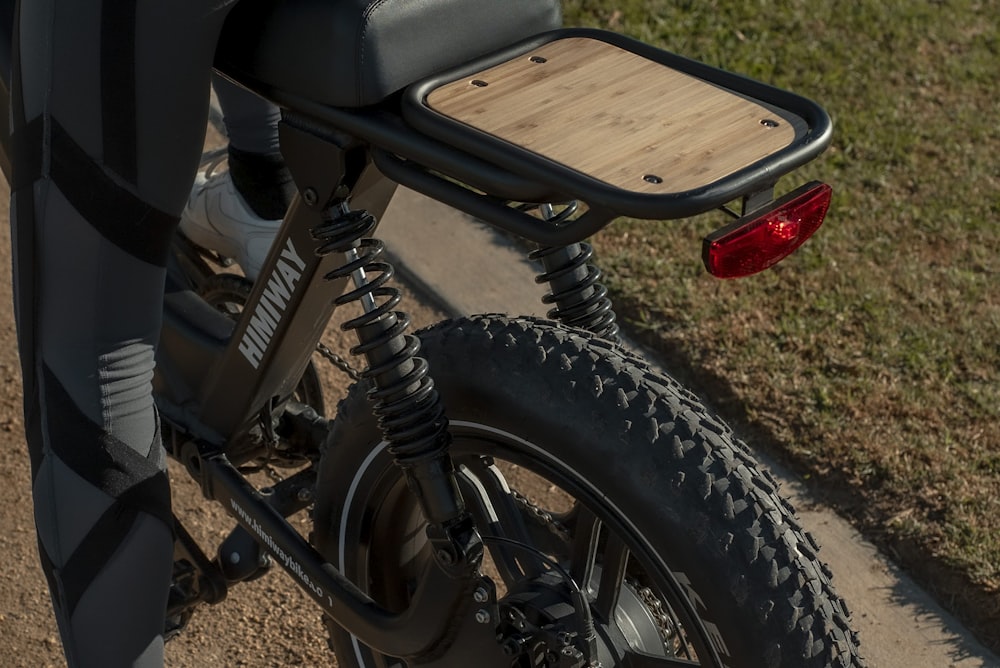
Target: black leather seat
x,y
352,53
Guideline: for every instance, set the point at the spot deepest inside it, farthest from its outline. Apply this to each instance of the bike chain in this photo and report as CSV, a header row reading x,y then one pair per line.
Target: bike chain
x,y
541,516
668,627
338,361
273,474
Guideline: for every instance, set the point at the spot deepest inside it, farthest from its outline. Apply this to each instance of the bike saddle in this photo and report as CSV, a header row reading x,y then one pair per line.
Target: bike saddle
x,y
354,53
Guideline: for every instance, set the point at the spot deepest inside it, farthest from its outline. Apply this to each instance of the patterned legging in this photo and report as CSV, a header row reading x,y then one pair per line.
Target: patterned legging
x,y
109,107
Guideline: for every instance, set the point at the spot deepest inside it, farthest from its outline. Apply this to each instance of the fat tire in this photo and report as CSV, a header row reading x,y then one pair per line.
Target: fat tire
x,y
690,488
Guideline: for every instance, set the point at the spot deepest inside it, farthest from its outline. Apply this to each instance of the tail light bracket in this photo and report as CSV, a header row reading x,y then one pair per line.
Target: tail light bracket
x,y
757,200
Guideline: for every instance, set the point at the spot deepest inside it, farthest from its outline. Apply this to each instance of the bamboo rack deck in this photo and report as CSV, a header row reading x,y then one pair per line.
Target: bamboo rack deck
x,y
613,115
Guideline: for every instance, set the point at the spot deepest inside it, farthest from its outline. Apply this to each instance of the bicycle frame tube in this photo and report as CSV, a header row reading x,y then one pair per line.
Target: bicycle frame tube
x,y
233,378
263,358
432,616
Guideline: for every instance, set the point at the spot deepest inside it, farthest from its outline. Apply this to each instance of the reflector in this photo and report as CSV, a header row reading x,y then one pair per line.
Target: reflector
x,y
762,239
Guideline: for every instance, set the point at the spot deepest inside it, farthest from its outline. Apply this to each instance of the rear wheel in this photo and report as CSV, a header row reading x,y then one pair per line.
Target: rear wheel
x,y
585,472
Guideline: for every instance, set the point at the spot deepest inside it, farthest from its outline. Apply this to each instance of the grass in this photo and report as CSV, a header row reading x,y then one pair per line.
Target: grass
x,y
870,360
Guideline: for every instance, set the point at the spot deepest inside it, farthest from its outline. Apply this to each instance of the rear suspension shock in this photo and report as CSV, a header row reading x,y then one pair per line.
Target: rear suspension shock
x,y
579,298
408,408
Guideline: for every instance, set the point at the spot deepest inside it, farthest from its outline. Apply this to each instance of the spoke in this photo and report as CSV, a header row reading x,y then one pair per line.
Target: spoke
x,y
612,576
504,520
586,530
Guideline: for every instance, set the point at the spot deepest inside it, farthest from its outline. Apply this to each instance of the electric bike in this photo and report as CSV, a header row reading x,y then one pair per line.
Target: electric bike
x,y
660,541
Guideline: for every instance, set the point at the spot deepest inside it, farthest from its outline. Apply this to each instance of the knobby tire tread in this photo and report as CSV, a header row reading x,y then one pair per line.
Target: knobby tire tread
x,y
741,526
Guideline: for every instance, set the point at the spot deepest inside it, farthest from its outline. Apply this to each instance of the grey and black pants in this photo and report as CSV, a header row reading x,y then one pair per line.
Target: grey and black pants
x,y
109,107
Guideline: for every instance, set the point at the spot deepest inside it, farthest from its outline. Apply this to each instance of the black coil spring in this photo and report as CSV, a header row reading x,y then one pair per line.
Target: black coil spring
x,y
584,302
579,301
406,404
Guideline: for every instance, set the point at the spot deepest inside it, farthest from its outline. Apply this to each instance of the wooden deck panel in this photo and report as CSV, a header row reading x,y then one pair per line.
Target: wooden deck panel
x,y
611,114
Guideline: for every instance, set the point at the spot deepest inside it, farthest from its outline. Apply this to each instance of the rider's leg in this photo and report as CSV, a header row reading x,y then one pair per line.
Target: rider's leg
x,y
255,163
109,109
238,211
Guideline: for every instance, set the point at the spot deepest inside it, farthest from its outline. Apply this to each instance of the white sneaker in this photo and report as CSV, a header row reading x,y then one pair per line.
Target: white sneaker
x,y
217,217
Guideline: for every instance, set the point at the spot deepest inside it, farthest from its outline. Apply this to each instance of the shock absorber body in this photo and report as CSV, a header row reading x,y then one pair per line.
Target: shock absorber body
x,y
408,408
578,297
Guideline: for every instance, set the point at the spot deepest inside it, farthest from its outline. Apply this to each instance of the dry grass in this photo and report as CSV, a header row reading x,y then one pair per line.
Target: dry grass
x,y
870,360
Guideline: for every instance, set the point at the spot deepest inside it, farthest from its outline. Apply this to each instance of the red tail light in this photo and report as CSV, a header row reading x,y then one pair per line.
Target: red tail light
x,y
761,240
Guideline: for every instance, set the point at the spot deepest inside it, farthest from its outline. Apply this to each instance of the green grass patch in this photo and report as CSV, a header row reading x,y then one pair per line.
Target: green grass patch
x,y
870,359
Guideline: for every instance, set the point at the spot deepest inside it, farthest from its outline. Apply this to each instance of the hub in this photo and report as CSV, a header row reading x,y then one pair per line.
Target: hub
x,y
538,625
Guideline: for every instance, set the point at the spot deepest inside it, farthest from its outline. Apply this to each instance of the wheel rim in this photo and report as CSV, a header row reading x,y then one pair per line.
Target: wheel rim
x,y
639,606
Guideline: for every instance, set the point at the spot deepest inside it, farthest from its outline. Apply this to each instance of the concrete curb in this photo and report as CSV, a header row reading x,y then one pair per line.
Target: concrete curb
x,y
465,267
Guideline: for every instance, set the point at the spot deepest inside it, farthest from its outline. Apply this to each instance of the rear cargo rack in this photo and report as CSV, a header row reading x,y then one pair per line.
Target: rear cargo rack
x,y
623,126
